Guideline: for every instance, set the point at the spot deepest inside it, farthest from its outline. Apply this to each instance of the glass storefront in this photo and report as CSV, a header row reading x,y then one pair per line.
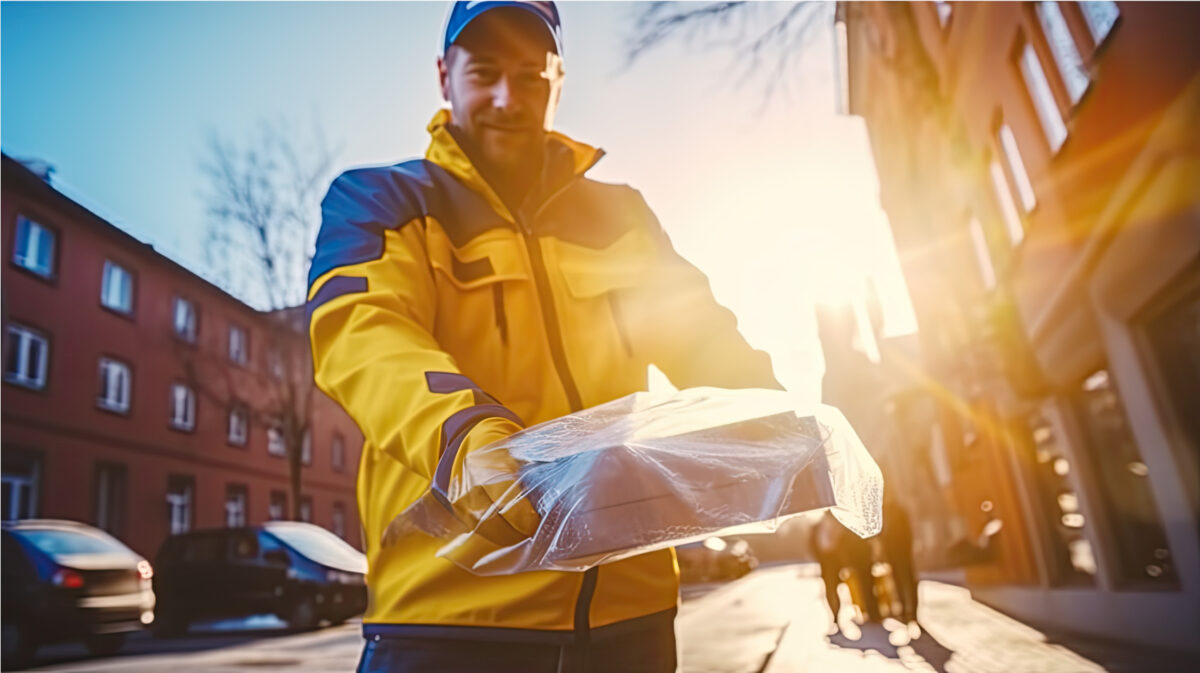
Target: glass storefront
x,y
1068,552
1139,543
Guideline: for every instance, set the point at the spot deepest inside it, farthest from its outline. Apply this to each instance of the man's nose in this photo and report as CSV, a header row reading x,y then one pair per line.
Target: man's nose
x,y
502,94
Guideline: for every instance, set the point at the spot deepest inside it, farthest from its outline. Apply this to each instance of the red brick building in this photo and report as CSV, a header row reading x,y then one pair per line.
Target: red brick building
x,y
105,420
1040,166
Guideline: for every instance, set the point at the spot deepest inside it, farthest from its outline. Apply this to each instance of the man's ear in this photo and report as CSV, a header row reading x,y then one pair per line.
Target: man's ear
x,y
444,76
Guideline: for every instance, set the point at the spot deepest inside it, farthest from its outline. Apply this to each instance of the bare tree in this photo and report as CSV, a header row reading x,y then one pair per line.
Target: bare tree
x,y
262,200
764,39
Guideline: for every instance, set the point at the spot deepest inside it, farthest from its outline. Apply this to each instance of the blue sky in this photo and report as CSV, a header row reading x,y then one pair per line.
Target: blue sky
x,y
779,206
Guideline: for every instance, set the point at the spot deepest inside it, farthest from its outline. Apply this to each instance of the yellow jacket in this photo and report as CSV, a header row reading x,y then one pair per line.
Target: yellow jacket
x,y
441,322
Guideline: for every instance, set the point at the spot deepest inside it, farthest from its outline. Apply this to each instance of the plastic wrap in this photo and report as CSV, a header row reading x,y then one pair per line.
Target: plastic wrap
x,y
646,472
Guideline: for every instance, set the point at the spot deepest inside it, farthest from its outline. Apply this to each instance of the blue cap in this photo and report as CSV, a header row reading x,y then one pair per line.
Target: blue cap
x,y
462,13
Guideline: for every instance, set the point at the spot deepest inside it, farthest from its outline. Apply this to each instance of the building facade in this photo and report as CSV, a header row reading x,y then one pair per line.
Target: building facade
x,y
1040,166
134,391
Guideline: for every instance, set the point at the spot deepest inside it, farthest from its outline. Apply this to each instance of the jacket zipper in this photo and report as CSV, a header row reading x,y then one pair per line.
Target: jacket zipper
x,y
587,586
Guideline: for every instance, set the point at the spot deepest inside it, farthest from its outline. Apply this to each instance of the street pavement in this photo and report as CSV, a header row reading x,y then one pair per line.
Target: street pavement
x,y
771,621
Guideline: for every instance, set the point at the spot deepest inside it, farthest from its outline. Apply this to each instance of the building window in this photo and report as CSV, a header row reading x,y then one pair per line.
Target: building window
x,y
1016,167
275,364
114,385
1069,553
183,407
1133,517
116,290
20,485
1008,208
277,510
944,11
1173,337
339,520
185,320
239,352
26,357
306,455
179,503
1062,45
1043,99
306,509
337,453
983,254
239,421
110,497
1100,18
235,505
276,446
34,247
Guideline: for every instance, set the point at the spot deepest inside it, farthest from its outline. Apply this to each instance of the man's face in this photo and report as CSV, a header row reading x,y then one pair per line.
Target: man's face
x,y
497,79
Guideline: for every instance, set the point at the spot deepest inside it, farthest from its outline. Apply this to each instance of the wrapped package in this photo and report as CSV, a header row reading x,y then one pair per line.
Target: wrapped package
x,y
645,472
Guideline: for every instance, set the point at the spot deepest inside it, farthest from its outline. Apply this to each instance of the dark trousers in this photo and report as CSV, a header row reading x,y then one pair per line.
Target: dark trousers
x,y
643,652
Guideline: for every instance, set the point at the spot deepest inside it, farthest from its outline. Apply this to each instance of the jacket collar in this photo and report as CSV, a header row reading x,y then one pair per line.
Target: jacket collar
x,y
566,159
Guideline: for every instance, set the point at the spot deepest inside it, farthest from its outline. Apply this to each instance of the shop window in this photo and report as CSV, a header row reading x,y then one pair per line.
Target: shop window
x,y
1173,337
34,248
1132,515
1069,553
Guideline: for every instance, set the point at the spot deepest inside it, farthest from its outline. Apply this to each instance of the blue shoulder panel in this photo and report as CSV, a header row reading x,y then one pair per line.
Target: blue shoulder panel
x,y
362,204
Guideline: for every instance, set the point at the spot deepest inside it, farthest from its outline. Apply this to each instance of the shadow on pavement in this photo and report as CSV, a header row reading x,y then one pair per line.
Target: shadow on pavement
x,y
874,637
198,639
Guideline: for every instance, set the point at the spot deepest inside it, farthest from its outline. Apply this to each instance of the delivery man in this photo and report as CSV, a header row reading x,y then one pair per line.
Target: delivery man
x,y
489,286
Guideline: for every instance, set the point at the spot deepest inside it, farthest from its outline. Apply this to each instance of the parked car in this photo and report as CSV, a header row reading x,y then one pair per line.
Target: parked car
x,y
297,571
714,559
65,580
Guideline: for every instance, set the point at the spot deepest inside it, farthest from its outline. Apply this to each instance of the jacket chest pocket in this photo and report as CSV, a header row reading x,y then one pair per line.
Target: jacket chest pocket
x,y
604,285
476,285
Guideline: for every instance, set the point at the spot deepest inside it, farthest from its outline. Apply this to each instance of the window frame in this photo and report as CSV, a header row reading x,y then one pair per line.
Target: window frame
x,y
102,401
190,399
1027,56
237,408
188,482
244,351
237,489
282,501
43,381
276,430
110,264
119,477
192,330
337,453
306,448
50,276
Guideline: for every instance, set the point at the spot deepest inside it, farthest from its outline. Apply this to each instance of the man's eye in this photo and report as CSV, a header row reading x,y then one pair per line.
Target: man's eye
x,y
484,74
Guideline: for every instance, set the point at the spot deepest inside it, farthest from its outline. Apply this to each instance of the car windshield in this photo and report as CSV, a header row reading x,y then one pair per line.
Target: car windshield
x,y
319,545
59,542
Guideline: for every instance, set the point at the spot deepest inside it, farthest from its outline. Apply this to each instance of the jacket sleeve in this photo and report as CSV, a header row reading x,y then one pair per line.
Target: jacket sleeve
x,y
371,306
683,330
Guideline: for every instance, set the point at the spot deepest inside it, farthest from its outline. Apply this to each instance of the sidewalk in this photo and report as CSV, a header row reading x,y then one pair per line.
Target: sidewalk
x,y
775,621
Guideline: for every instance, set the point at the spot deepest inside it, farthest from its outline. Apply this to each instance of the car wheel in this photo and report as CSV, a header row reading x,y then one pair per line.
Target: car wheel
x,y
169,624
105,645
18,646
303,615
